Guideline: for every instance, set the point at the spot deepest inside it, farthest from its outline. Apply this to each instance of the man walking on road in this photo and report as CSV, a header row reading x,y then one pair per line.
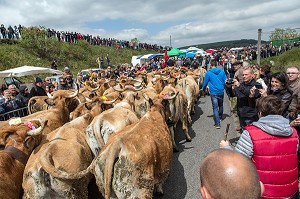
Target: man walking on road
x,y
216,79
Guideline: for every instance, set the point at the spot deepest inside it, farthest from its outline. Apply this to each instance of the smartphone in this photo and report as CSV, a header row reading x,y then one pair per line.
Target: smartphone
x,y
258,86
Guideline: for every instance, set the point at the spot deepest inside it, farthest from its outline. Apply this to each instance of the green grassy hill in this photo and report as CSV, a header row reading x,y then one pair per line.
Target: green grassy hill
x,y
283,61
35,49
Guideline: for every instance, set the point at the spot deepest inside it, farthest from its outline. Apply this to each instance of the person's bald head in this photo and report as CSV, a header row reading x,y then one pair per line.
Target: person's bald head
x,y
228,174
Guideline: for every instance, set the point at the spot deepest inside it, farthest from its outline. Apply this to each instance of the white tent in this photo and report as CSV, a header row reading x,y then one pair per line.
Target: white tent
x,y
192,48
27,70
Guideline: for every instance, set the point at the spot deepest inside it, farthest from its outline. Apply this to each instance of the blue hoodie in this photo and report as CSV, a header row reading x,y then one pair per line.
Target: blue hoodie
x,y
215,78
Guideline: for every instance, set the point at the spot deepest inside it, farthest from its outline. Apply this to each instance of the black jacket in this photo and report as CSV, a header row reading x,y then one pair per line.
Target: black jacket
x,y
245,104
37,91
284,95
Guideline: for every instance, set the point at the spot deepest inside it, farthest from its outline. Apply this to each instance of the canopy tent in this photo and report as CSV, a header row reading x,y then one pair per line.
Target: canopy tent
x,y
211,51
155,55
27,70
188,54
193,49
175,52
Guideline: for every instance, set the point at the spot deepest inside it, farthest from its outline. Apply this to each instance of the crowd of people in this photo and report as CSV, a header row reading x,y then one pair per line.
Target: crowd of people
x,y
15,32
267,106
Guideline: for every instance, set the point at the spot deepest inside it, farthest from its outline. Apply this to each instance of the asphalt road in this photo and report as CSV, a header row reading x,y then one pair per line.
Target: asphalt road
x,y
184,179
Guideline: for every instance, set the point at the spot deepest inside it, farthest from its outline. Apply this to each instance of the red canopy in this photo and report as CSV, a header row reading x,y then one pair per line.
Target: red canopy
x,y
211,51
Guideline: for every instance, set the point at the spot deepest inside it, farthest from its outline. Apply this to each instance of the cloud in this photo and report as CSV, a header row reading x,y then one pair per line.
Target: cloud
x,y
187,22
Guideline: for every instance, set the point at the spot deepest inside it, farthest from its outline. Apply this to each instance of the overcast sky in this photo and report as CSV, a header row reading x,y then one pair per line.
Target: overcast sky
x,y
188,22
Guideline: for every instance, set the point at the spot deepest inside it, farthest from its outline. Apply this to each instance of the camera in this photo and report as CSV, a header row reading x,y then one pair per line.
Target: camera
x,y
229,81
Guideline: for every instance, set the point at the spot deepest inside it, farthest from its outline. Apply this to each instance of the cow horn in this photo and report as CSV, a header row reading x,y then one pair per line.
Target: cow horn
x,y
75,93
88,99
138,88
39,129
165,78
49,95
168,97
110,102
94,89
117,89
137,80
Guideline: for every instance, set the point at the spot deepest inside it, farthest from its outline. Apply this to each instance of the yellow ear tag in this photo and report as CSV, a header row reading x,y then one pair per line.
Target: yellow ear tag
x,y
104,98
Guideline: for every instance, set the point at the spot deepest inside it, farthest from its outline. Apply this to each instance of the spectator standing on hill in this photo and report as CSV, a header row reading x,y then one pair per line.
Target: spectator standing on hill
x,y
216,79
107,60
38,89
227,174
3,31
54,65
11,32
272,144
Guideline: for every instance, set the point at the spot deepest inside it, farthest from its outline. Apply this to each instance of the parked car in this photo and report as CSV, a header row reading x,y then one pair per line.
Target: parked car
x,y
11,80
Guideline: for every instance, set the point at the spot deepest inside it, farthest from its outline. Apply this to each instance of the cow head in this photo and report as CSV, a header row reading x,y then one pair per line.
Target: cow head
x,y
24,136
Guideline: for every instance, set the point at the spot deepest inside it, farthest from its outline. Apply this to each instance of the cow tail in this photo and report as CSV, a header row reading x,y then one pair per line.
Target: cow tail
x,y
114,151
46,159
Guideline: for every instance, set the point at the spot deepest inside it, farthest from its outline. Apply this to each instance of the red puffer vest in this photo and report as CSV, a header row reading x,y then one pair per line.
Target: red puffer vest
x,y
275,158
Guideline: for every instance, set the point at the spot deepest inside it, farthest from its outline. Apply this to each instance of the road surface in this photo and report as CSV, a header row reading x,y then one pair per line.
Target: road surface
x,y
184,180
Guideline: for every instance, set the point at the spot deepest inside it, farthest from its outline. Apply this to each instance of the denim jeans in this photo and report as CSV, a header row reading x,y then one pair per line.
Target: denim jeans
x,y
217,105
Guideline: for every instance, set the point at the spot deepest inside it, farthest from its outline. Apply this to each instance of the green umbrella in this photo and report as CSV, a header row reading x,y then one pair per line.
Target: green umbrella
x,y
175,52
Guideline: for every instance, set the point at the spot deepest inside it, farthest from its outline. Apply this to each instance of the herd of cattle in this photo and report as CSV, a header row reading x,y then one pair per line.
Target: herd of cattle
x,y
119,131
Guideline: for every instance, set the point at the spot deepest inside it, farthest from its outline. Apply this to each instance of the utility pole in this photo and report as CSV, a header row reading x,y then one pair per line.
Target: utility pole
x,y
258,47
170,41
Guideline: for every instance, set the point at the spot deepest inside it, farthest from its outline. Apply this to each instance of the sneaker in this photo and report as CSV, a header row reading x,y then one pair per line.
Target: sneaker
x,y
217,126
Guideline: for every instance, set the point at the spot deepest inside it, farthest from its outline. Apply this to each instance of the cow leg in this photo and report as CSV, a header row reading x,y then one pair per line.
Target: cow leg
x,y
175,148
159,190
193,107
186,131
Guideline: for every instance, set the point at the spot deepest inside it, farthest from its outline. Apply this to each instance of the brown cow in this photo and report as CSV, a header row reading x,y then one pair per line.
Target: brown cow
x,y
191,90
19,140
40,103
176,108
67,149
135,162
107,123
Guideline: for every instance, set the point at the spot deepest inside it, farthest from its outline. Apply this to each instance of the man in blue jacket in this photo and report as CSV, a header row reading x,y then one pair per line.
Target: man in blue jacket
x,y
215,78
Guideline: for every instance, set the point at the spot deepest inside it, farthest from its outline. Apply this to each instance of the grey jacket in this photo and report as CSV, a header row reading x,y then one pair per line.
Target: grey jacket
x,y
275,125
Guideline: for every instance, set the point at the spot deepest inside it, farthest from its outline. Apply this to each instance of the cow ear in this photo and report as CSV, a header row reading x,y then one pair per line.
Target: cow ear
x,y
121,96
150,102
50,101
28,142
91,95
103,107
106,85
